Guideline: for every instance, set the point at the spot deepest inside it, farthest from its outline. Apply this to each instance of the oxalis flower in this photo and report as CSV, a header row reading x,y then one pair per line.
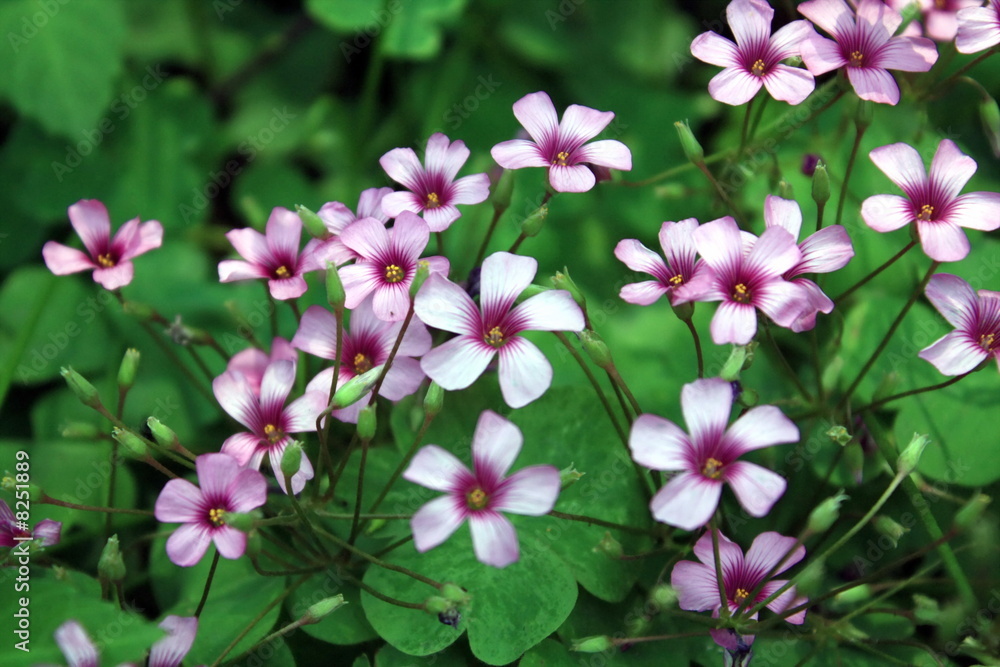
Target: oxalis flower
x,y
707,458
672,276
697,584
978,28
865,45
939,16
273,255
932,200
80,651
433,189
110,258
480,495
336,217
976,319
46,531
562,147
268,419
253,362
755,59
525,373
226,486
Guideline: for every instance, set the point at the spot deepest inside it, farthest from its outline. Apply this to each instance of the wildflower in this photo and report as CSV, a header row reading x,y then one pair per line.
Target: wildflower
x,y
109,257
707,458
46,531
433,189
80,651
226,486
932,200
755,59
940,16
336,217
976,319
273,255
562,146
978,28
366,344
525,373
268,419
480,495
865,45
253,362
387,263
677,244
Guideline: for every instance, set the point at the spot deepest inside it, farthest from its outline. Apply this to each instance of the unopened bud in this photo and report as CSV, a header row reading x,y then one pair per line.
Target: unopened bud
x,y
598,644
320,610
826,513
692,149
839,435
534,222
854,595
562,280
80,431
291,460
162,434
84,390
312,222
375,525
367,422
890,528
128,369
335,294
10,485
970,513
455,593
821,184
748,397
609,546
598,350
926,610
683,311
241,521
503,191
355,388
663,596
568,477
737,361
989,114
436,604
111,567
910,457
423,270
433,400
132,443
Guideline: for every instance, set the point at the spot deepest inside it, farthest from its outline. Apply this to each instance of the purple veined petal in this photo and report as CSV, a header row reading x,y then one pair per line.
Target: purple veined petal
x,y
784,601
576,178
126,236
410,234
231,270
954,354
247,491
47,531
7,519
395,203
816,302
978,28
714,49
767,551
402,166
902,164
367,237
531,491
734,86
750,21
581,124
237,398
115,277
180,501
756,487
444,156
63,260
537,115
283,289
730,555
953,298
774,253
416,341
437,264
392,302
827,250
230,542
553,310
336,216
696,586
251,245
437,469
820,55
833,16
786,42
706,405
444,305
781,300
276,385
495,445
283,232
783,213
242,447
609,153
301,414
440,218
525,373
75,645
887,213
215,473
876,21
976,210
762,426
702,286
436,521
719,243
457,363
148,236
874,84
687,501
950,170
359,280
472,189
789,84
677,242
642,294
734,323
638,257
659,444
494,539
504,276
317,333
403,379
170,651
187,544
942,26
518,154
908,54
90,219
370,204
943,241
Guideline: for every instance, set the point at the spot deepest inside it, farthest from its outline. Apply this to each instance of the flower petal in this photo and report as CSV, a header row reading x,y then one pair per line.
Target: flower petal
x,y
243,447
943,241
767,550
90,219
642,294
696,586
437,469
660,444
827,250
495,445
762,426
276,385
576,178
820,55
553,310
367,237
472,189
404,167
180,501
115,277
537,114
714,49
231,270
734,85
789,84
976,210
444,156
886,213
954,354
317,333
300,415
283,289
73,641
247,491
783,213
734,323
170,651
63,260
706,404
435,522
874,84
230,542
531,491
606,153
756,488
954,299
518,154
444,305
525,373
504,276
908,54
188,544
687,501
457,363
494,539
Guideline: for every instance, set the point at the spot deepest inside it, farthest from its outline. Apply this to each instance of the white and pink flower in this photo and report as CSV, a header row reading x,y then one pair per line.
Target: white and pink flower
x,y
253,362
976,318
978,28
46,531
336,217
671,277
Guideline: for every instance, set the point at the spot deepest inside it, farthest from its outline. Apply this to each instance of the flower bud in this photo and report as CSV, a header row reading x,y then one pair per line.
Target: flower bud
x,y
375,525
80,431
562,281
367,422
748,398
598,350
162,434
926,610
785,190
683,311
423,270
736,362
503,191
436,604
312,222
291,460
335,295
890,528
663,596
433,400
10,485
241,521
534,222
910,457
592,644
84,390
989,114
839,435
821,184
455,593
609,546
132,443
854,595
692,149
568,477
139,311
355,388
970,513
111,567
826,513
128,369
320,610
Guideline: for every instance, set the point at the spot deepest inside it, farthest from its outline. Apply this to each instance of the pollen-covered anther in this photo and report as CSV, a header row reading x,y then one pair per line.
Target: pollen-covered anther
x,y
741,293
106,261
741,595
989,342
476,499
494,337
676,280
926,213
217,516
433,201
362,364
282,271
758,68
561,158
273,433
712,469
857,59
393,273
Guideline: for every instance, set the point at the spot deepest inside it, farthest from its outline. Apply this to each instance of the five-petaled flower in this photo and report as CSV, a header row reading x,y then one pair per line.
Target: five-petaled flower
x,y
697,584
226,487
433,189
336,217
13,532
707,458
755,59
253,362
978,28
480,495
273,255
932,200
562,146
681,267
110,258
976,318
525,373
864,44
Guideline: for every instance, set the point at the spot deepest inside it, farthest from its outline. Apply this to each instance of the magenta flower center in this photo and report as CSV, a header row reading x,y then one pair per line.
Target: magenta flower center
x,y
217,516
476,499
494,337
273,433
741,293
106,260
712,468
432,201
926,213
362,364
857,59
393,273
758,68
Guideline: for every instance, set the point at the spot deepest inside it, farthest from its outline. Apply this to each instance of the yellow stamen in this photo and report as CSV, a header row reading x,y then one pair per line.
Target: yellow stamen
x,y
282,271
857,59
273,433
676,280
926,213
393,273
988,342
494,337
105,261
561,158
741,293
433,201
712,469
476,499
217,516
741,595
758,68
361,364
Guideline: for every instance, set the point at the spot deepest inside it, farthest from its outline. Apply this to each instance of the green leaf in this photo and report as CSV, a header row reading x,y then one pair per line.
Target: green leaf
x,y
348,15
416,32
62,60
549,653
388,656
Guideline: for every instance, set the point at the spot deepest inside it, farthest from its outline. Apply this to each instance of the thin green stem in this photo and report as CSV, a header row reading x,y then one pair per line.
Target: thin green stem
x,y
392,547
601,522
208,584
697,346
350,515
721,191
758,115
860,132
486,239
717,556
789,371
323,429
176,360
912,392
257,619
381,596
892,260
745,129
517,243
356,519
618,380
597,388
946,83
820,208
379,562
417,439
49,500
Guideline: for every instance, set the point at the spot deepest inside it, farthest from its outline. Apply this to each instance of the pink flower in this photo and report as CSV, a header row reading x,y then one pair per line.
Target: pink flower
x,y
978,28
479,496
932,199
745,281
939,16
80,651
697,584
336,217
562,146
225,487
110,258
977,325
433,190
387,263
525,373
680,269
46,531
755,59
253,362
274,255
827,250
864,45
707,458
366,344
268,419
